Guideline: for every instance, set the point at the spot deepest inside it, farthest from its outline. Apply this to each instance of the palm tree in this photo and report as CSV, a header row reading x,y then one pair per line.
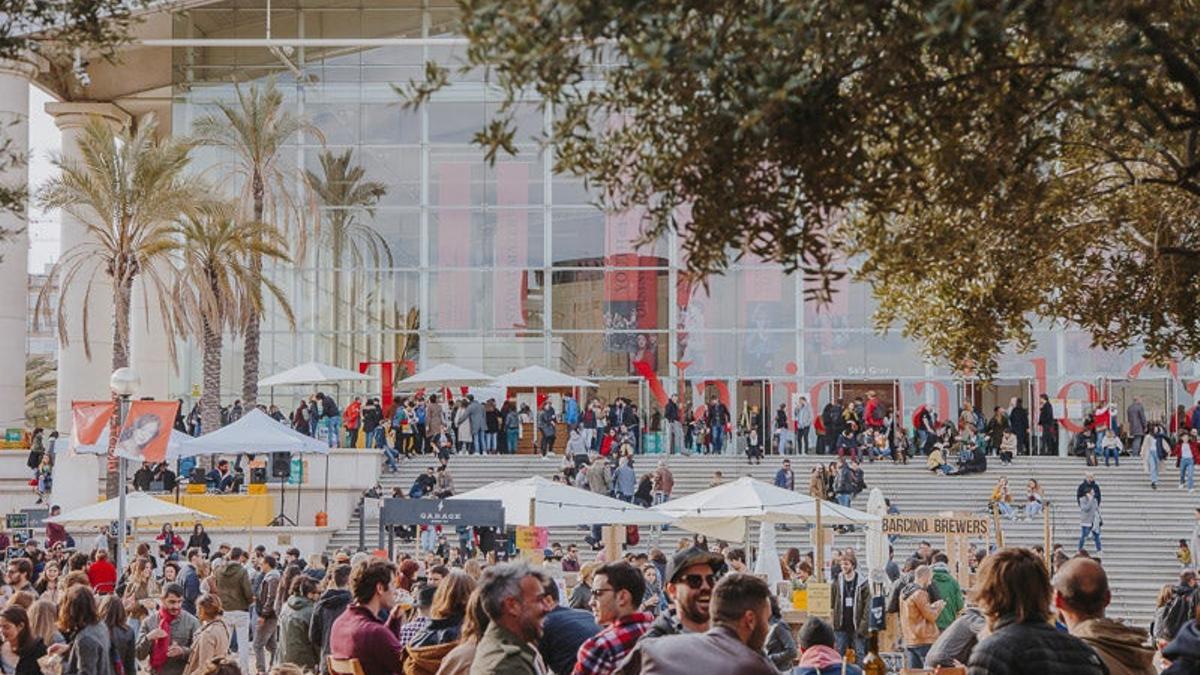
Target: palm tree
x,y
40,384
344,193
255,131
218,287
127,190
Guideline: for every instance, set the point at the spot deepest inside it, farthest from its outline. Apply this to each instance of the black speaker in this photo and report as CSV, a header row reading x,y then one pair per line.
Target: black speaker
x,y
258,475
198,477
281,465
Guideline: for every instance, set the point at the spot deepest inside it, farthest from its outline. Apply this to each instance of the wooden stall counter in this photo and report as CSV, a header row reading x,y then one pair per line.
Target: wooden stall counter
x,y
525,445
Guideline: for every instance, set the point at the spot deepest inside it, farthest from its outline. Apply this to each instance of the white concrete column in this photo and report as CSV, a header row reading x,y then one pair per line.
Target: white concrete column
x,y
14,250
81,378
150,355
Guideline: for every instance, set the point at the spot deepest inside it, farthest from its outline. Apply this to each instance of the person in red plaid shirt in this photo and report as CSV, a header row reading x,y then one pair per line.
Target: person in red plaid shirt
x,y
617,592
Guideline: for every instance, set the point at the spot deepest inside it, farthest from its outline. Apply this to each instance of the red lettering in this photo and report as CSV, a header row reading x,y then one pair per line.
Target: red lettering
x,y
943,397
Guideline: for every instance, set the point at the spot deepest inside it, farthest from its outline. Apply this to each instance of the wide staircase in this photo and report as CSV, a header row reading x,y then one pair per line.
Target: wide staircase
x,y
1141,531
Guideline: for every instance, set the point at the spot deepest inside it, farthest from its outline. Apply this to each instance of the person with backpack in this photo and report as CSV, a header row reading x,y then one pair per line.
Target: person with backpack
x,y
1178,609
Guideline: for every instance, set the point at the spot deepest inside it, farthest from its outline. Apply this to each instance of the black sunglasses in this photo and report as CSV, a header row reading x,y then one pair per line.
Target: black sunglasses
x,y
697,581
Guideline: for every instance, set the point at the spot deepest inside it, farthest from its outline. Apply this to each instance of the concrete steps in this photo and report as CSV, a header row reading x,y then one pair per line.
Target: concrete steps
x,y
1141,532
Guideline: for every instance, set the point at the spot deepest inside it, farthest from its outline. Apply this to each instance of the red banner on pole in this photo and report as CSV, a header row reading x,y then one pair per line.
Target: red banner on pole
x,y
88,421
147,430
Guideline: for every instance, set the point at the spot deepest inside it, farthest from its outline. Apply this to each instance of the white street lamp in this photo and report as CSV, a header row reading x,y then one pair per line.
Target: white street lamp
x,y
124,384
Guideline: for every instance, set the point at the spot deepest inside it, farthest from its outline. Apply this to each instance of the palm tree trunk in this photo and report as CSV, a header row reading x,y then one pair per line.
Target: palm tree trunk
x,y
253,329
210,395
337,292
122,294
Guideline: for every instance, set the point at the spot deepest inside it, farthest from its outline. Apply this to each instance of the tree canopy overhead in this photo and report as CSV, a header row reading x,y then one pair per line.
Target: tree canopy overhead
x,y
981,164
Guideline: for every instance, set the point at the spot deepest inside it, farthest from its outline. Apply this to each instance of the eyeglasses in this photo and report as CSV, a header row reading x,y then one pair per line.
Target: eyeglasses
x,y
697,581
602,591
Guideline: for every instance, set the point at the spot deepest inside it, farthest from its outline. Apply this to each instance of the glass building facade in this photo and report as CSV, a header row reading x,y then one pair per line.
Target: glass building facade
x,y
499,267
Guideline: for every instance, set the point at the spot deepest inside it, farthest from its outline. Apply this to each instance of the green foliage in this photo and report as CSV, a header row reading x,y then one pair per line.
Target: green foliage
x,y
51,28
40,386
982,165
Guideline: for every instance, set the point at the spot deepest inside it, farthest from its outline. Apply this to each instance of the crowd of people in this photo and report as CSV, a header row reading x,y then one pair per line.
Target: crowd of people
x,y
229,610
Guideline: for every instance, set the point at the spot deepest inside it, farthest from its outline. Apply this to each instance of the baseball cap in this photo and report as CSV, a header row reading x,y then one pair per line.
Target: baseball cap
x,y
693,556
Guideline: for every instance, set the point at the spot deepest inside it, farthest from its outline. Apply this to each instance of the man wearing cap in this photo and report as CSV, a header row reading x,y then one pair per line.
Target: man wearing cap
x,y
691,575
741,616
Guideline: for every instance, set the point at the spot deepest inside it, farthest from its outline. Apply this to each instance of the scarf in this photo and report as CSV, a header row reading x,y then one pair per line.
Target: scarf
x,y
158,652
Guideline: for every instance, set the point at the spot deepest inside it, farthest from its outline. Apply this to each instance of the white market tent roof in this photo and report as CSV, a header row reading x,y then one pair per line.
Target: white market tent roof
x,y
313,373
725,511
174,445
538,377
253,433
446,375
139,507
558,504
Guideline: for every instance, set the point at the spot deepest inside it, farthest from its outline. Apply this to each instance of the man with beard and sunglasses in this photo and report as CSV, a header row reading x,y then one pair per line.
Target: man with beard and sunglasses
x,y
691,576
741,619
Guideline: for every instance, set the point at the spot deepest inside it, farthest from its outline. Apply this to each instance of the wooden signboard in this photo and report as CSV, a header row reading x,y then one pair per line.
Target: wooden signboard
x,y
957,528
937,525
820,599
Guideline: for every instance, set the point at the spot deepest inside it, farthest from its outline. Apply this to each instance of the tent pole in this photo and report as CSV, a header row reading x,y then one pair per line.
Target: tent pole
x,y
537,414
326,507
819,555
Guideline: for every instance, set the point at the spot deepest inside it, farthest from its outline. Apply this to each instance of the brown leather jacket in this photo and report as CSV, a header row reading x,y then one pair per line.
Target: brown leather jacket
x,y
918,618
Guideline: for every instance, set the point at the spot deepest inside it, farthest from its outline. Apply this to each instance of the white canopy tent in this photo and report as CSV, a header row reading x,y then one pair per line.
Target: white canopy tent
x,y
313,372
140,507
725,511
255,432
445,375
767,561
539,377
174,445
538,502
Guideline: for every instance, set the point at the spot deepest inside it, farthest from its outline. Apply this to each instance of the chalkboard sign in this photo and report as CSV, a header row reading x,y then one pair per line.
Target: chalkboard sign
x,y
16,521
37,516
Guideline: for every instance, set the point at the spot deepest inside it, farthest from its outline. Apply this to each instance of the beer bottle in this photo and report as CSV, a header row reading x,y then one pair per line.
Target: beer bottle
x,y
873,662
850,657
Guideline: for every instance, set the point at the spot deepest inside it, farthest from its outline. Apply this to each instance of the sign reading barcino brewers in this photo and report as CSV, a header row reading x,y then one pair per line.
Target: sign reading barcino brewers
x,y
917,526
449,512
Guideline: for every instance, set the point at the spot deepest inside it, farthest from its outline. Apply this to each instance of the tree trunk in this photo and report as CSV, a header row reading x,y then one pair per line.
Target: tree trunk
x,y
122,292
336,329
253,327
210,395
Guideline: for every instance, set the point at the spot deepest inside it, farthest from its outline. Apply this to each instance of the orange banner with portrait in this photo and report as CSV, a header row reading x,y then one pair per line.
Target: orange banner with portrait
x,y
147,430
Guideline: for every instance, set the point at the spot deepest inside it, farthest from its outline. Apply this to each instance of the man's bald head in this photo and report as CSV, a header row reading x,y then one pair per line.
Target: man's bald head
x,y
1081,587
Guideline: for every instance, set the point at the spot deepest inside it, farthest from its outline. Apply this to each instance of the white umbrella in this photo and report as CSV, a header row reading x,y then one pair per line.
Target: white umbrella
x,y
538,502
876,541
313,372
767,560
139,507
725,511
538,377
100,447
445,375
255,432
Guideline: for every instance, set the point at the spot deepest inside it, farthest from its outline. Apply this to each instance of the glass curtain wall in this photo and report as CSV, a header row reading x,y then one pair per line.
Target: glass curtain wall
x,y
499,267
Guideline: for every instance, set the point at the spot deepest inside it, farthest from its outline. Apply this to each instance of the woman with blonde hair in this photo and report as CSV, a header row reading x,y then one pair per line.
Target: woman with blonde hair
x,y
141,592
43,618
425,650
212,640
475,623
